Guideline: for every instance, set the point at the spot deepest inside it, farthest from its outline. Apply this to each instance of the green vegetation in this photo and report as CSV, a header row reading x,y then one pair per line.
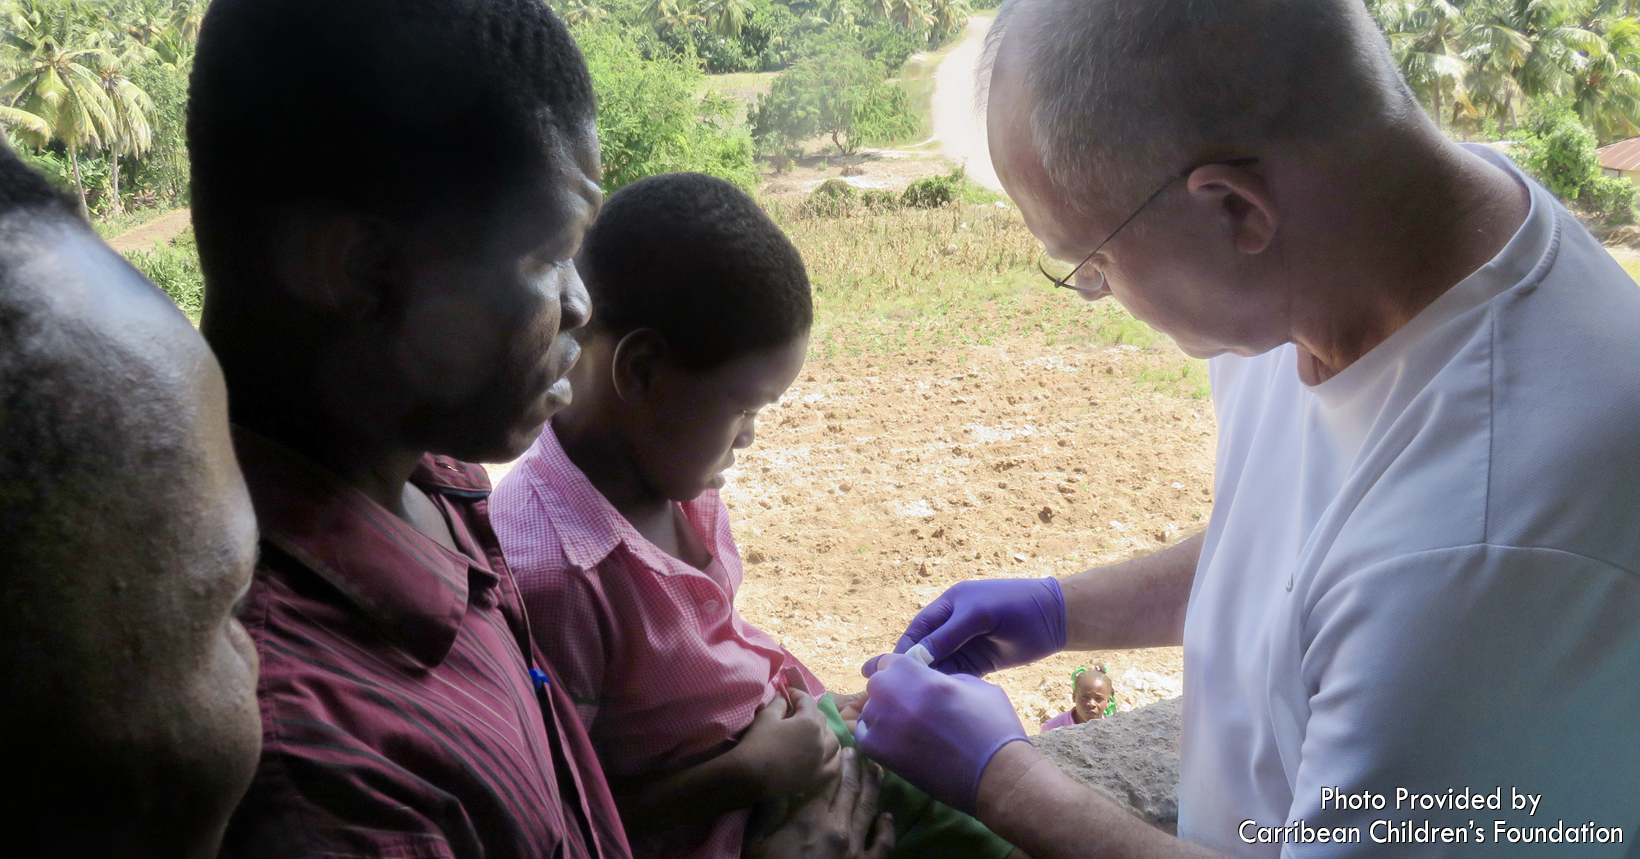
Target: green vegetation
x,y
1557,148
93,91
836,198
891,279
1476,63
174,267
843,95
653,119
728,36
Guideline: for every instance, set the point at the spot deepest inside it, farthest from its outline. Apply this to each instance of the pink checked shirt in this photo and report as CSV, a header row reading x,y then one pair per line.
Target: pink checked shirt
x,y
662,669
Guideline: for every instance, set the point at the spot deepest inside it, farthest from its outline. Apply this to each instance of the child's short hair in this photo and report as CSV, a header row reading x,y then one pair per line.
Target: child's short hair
x,y
698,260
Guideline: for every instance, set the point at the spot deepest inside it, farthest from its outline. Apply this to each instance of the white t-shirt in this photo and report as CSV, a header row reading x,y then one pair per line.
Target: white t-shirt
x,y
1421,573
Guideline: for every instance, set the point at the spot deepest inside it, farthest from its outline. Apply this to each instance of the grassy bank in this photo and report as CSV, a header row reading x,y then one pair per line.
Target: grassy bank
x,y
963,275
743,87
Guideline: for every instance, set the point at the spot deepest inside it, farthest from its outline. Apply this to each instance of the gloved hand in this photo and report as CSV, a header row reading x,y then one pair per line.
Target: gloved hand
x,y
937,731
986,625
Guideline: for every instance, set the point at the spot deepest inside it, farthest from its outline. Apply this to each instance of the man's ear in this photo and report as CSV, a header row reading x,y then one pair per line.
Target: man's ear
x,y
1245,200
336,263
637,360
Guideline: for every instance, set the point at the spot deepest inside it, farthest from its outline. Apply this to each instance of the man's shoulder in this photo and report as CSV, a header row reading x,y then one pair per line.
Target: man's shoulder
x,y
308,633
1565,468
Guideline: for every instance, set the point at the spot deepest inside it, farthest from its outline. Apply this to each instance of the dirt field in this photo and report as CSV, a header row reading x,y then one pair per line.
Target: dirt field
x,y
872,488
163,228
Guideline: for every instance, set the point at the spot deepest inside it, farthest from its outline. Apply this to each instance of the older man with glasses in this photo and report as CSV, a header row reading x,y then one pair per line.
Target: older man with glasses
x,y
1420,577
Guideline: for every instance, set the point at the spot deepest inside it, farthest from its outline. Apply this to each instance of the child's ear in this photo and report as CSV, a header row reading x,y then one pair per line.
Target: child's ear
x,y
637,358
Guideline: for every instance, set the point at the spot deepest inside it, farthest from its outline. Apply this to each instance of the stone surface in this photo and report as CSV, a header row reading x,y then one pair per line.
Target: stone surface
x,y
1132,757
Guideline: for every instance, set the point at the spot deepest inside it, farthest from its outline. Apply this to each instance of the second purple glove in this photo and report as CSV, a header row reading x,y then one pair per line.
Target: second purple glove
x,y
986,625
937,731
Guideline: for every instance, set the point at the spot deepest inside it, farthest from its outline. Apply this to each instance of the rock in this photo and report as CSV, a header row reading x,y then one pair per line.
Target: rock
x,y
1132,757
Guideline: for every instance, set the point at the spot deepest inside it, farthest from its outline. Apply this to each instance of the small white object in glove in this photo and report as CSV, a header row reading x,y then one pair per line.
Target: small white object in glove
x,y
920,653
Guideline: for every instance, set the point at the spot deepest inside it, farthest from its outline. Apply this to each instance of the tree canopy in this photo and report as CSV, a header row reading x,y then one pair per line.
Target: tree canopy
x,y
1476,63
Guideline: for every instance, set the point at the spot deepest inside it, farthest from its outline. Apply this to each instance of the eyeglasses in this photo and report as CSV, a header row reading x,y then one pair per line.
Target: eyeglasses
x,y
1067,280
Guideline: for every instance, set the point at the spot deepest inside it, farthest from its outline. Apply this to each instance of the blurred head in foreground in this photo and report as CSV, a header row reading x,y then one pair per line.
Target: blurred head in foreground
x,y
386,225
127,690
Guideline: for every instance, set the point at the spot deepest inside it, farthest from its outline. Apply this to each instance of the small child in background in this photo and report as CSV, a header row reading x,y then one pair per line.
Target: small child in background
x,y
1092,697
621,545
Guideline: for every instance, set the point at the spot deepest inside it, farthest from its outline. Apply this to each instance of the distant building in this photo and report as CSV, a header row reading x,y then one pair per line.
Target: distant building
x,y
1621,160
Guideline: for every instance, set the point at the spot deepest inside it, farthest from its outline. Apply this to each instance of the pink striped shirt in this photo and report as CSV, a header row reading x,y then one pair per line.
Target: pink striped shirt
x,y
663,670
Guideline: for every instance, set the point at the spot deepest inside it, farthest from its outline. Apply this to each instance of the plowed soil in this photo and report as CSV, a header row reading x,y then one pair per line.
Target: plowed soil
x,y
878,482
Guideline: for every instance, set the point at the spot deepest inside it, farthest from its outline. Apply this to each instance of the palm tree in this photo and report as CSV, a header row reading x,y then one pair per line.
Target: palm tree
x,y
28,126
913,16
144,21
949,16
50,79
1606,87
581,12
186,19
672,14
1495,55
727,17
128,131
837,13
1427,39
1556,38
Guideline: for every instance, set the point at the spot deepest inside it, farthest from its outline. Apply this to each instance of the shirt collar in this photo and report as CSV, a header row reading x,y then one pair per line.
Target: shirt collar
x,y
586,525
409,584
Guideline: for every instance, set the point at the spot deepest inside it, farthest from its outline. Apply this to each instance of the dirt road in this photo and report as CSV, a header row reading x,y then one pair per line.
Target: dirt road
x,y
956,124
163,228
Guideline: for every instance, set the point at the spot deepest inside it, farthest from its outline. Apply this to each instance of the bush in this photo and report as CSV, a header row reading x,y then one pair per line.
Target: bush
x,y
845,96
889,45
879,201
1609,201
174,268
162,173
1559,151
833,199
935,191
651,118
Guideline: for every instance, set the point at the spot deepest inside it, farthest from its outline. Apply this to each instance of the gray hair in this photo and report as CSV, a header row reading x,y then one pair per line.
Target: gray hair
x,y
1125,93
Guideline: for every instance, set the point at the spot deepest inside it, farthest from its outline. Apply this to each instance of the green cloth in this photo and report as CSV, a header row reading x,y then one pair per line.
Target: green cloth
x,y
924,828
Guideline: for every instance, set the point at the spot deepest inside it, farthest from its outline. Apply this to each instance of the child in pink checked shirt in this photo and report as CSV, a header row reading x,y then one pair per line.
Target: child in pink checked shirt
x,y
613,526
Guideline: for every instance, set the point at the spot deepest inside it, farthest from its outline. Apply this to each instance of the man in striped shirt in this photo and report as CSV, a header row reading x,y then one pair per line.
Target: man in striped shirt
x,y
387,197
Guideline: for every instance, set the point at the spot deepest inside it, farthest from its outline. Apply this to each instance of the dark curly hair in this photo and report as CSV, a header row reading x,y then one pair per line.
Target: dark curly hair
x,y
698,260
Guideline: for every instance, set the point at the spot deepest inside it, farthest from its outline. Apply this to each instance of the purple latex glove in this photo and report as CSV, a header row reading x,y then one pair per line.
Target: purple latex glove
x,y
986,625
937,731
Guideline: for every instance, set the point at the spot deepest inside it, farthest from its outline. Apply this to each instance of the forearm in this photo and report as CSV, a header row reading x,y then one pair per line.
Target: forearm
x,y
701,793
1026,799
1137,603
